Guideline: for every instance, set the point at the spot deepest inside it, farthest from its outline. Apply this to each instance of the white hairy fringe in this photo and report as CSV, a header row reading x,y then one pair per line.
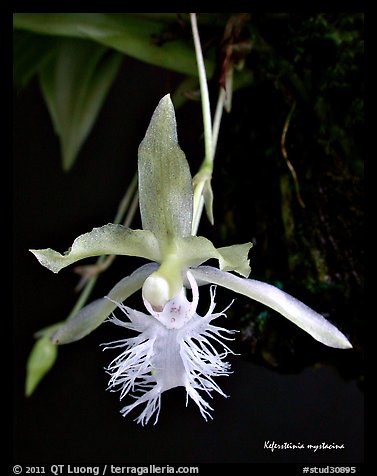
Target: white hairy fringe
x,y
160,358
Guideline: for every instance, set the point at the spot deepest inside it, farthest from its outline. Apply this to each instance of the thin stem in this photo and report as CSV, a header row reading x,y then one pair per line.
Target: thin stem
x,y
206,166
207,122
217,119
206,109
285,155
85,293
122,208
132,210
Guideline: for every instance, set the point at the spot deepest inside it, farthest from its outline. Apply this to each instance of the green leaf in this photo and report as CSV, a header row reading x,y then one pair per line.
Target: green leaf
x,y
129,34
92,315
75,84
134,35
41,359
165,184
291,308
107,240
30,52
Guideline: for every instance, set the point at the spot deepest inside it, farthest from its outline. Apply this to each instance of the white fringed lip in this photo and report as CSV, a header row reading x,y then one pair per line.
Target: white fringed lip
x,y
188,351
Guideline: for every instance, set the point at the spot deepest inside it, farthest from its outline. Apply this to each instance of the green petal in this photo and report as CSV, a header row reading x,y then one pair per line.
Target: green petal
x,y
235,258
92,315
187,252
291,308
195,250
42,357
107,240
165,184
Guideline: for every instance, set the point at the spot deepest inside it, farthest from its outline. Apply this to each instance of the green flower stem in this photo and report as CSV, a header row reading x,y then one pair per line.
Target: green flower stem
x,y
207,122
210,133
126,203
85,293
217,119
285,155
207,165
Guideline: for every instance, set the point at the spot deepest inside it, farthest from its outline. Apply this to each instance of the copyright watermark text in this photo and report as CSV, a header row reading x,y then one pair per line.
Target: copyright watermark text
x,y
62,469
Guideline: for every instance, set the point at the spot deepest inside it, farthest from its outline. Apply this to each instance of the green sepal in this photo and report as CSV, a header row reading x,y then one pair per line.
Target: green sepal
x,y
288,306
165,185
93,314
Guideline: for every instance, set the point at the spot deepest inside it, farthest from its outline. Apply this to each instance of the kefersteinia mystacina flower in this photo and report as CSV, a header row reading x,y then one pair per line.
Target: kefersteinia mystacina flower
x,y
172,345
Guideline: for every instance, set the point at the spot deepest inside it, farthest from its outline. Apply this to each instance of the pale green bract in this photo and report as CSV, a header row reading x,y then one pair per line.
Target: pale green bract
x,y
41,359
175,263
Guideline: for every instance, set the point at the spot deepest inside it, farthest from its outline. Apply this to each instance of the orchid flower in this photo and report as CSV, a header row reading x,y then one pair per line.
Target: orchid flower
x,y
173,346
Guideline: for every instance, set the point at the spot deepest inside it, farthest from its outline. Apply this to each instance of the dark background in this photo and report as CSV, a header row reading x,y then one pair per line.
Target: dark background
x,y
285,386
